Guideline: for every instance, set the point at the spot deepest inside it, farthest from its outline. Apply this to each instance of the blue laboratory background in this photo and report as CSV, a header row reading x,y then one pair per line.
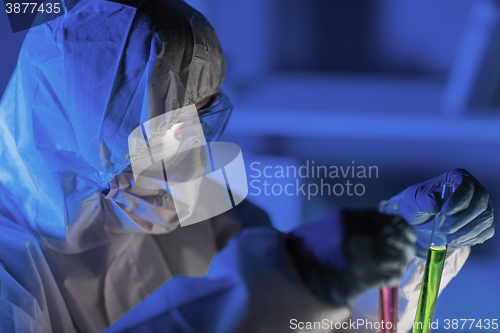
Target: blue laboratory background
x,y
364,81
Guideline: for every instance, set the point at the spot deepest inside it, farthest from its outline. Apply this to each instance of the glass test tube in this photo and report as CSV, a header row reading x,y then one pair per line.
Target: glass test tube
x,y
433,269
388,309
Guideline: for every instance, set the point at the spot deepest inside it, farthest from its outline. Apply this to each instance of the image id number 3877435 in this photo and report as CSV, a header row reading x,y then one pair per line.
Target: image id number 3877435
x,y
32,7
470,324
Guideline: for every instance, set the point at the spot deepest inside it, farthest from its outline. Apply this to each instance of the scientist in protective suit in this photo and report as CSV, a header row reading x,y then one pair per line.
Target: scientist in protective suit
x,y
83,248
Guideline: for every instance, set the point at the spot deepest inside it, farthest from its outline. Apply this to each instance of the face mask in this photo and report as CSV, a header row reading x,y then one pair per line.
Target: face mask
x,y
139,209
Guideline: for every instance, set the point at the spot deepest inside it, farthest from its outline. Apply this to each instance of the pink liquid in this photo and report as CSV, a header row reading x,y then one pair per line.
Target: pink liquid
x,y
388,309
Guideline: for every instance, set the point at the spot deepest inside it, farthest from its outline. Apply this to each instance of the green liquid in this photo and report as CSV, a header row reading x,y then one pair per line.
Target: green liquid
x,y
430,289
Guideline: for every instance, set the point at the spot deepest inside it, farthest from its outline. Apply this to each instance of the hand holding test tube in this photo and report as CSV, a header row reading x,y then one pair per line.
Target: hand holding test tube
x,y
433,269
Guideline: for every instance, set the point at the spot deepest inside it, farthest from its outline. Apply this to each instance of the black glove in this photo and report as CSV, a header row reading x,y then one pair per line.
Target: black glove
x,y
349,252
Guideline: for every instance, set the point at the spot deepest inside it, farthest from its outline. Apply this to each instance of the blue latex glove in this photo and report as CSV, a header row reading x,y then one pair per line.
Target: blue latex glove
x,y
349,252
468,211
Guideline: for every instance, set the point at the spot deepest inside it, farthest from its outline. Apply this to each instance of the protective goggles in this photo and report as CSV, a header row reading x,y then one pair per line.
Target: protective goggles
x,y
178,139
213,117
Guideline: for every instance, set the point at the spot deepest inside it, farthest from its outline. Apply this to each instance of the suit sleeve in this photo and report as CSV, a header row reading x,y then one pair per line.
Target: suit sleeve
x,y
251,286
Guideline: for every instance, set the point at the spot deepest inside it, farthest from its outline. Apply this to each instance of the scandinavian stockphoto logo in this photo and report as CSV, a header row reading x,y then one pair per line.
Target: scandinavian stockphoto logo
x,y
170,152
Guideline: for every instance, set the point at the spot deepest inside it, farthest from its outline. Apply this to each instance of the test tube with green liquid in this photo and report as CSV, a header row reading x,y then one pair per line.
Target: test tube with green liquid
x,y
433,269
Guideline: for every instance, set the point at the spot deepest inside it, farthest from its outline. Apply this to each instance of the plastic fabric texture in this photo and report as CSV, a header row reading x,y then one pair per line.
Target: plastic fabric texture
x,y
235,294
349,252
83,83
71,260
